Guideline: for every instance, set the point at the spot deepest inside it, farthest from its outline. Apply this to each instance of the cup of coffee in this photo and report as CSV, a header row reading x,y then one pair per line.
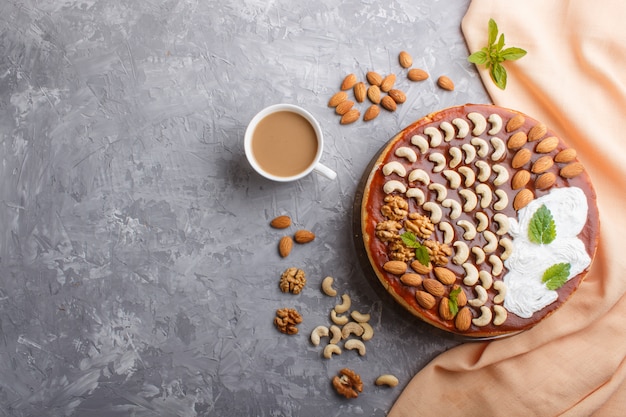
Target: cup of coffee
x,y
284,143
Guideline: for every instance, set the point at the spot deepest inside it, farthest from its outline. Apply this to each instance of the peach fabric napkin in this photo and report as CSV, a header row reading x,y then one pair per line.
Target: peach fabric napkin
x,y
574,362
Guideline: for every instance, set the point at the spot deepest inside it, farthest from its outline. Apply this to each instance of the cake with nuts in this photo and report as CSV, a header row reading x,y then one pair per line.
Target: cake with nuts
x,y
479,220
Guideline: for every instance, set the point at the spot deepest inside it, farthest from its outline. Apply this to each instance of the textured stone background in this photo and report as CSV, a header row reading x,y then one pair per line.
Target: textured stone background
x,y
138,273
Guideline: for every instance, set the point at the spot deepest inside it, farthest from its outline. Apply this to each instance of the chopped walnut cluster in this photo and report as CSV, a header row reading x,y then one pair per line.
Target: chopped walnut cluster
x,y
396,207
388,230
348,383
439,252
420,225
292,280
399,251
287,320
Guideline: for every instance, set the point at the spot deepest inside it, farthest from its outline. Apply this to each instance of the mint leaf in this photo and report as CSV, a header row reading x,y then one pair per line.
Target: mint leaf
x,y
421,253
493,31
453,304
555,276
410,240
512,54
542,229
478,58
498,75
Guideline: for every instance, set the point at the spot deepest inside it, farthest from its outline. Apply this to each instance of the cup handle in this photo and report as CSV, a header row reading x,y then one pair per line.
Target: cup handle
x,y
325,171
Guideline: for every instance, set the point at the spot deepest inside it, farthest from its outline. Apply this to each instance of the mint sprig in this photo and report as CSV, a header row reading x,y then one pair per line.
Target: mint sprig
x,y
453,303
542,229
421,253
555,276
494,54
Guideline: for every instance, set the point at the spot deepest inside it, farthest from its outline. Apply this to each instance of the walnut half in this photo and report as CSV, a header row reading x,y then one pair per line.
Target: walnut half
x,y
287,320
292,280
348,383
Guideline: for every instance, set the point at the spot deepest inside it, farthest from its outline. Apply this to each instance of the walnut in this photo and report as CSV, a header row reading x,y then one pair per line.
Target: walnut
x,y
438,252
287,319
399,251
348,383
420,225
396,207
292,280
388,230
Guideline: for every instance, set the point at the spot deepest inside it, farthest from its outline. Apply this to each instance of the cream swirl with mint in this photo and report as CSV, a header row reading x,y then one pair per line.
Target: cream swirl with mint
x,y
527,293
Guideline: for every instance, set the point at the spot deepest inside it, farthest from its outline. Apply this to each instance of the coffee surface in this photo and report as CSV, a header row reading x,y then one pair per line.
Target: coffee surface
x,y
284,143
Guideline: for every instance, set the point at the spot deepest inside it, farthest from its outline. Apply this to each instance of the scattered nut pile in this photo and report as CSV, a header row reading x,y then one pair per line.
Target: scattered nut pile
x,y
378,92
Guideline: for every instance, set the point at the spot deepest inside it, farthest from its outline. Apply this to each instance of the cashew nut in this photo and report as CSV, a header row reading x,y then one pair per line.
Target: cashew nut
x,y
448,232
479,254
482,145
335,334
457,156
387,379
480,123
394,166
481,296
503,223
408,153
471,274
492,241
500,316
470,229
496,265
345,304
434,210
419,175
483,221
417,194
486,280
368,331
317,334
502,174
448,129
484,170
351,328
360,317
503,200
454,179
394,185
454,206
435,136
440,189
484,318
355,344
439,160
496,124
470,200
470,152
327,287
330,350
420,142
499,149
485,195
499,286
463,127
507,244
461,252
339,320
469,175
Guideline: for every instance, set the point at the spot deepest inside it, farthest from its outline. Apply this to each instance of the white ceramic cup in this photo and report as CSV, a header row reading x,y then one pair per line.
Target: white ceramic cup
x,y
314,166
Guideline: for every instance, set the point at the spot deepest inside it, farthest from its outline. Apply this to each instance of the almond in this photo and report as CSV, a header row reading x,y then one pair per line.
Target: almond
x,y
545,181
566,155
420,268
281,222
374,78
571,170
463,319
537,132
371,113
416,74
304,236
373,93
445,83
348,82
521,158
350,117
395,267
405,59
412,280
424,299
517,140
461,298
337,98
522,199
360,91
445,275
284,246
388,103
434,287
343,107
444,309
520,179
547,145
387,83
397,95
515,123
542,164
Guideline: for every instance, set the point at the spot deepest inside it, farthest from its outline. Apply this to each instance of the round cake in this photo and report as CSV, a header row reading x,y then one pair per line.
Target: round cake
x,y
478,220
